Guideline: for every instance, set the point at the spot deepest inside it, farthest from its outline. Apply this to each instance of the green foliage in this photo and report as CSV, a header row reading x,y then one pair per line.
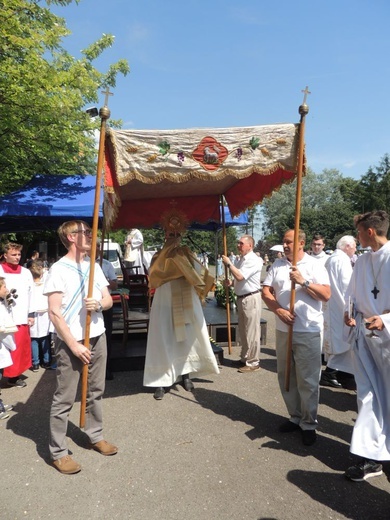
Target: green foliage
x,y
254,143
327,207
374,188
43,94
164,147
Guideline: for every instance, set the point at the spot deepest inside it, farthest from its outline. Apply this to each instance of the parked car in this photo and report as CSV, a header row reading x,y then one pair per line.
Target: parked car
x,y
111,250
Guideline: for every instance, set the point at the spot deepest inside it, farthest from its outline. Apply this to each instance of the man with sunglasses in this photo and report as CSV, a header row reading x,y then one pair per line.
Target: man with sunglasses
x,y
67,288
246,273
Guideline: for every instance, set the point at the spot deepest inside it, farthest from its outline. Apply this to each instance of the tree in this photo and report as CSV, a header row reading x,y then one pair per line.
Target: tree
x,y
374,187
327,207
43,93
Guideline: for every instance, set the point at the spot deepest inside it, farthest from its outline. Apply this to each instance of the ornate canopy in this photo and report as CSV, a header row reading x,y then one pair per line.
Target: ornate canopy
x,y
147,172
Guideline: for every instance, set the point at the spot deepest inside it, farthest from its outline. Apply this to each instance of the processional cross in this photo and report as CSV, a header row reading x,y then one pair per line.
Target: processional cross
x,y
305,92
108,93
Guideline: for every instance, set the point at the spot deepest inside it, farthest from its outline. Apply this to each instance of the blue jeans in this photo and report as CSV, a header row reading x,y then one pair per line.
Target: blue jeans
x,y
40,347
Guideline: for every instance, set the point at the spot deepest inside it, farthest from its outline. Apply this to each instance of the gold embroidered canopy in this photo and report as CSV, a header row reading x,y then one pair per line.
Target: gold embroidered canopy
x,y
147,172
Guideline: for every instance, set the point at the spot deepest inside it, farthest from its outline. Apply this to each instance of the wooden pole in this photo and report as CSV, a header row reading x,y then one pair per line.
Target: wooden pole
x,y
227,289
104,114
303,110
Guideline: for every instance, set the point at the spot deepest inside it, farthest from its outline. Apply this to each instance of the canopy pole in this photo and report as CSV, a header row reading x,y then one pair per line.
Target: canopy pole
x,y
227,289
303,110
104,114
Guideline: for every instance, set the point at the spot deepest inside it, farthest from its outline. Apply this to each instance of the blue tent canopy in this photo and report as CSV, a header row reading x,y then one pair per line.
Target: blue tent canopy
x,y
47,201
241,220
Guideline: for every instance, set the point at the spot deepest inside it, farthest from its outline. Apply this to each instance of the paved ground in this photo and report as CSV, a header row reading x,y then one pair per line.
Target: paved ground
x,y
212,454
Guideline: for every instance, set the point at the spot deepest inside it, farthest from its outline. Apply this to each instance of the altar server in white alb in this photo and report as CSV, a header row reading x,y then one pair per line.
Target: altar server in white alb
x,y
370,337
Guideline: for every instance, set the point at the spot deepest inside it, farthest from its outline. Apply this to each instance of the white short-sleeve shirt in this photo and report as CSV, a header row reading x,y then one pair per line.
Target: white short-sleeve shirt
x,y
309,317
71,279
250,266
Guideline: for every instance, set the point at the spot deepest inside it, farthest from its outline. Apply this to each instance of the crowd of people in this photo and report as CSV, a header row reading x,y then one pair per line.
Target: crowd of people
x,y
328,308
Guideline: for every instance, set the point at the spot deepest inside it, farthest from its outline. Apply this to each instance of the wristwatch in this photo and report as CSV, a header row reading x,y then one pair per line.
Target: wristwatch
x,y
100,308
305,284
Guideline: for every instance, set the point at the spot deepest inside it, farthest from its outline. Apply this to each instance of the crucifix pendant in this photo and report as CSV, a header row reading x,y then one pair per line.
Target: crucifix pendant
x,y
375,292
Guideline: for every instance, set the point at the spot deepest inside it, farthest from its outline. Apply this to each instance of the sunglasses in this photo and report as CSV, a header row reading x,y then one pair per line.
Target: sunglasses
x,y
85,232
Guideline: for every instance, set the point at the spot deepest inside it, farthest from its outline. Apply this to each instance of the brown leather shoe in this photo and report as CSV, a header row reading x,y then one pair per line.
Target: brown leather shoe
x,y
67,465
104,448
248,368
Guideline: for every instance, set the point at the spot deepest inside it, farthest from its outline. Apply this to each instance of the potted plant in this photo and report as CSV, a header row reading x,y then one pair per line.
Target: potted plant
x,y
220,295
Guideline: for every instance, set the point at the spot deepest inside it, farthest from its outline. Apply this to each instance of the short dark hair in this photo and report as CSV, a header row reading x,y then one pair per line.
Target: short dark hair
x,y
378,220
36,268
318,236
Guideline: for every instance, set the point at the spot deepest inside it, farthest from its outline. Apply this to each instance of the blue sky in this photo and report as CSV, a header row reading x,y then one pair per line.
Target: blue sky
x,y
226,63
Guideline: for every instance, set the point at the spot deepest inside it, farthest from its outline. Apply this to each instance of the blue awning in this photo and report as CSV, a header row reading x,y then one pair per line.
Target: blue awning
x,y
47,201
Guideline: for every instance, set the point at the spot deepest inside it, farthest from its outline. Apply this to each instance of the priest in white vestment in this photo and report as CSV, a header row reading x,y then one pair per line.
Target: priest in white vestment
x,y
178,343
338,351
370,338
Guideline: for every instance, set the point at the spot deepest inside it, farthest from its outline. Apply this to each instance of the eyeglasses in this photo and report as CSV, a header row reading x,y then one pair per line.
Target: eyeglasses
x,y
85,232
240,243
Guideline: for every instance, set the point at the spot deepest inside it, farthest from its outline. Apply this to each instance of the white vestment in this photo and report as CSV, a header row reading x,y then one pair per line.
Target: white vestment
x,y
24,304
337,350
167,358
7,328
371,354
321,257
134,251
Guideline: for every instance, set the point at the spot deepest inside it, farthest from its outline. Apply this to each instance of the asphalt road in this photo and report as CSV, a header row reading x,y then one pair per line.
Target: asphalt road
x,y
212,454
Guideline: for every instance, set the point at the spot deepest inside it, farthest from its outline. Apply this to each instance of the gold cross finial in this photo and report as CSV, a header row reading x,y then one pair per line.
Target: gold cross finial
x,y
305,92
108,93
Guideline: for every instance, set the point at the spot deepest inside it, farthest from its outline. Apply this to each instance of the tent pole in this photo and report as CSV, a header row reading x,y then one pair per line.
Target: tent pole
x,y
104,114
227,289
303,110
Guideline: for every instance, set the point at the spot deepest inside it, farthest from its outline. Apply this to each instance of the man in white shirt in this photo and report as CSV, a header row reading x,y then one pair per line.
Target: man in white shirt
x,y
246,272
312,288
66,286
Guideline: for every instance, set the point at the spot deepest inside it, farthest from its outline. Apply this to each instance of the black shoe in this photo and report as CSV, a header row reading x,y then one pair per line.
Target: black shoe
x,y
288,427
237,363
309,437
364,470
14,381
46,366
187,383
346,380
329,381
35,368
159,393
